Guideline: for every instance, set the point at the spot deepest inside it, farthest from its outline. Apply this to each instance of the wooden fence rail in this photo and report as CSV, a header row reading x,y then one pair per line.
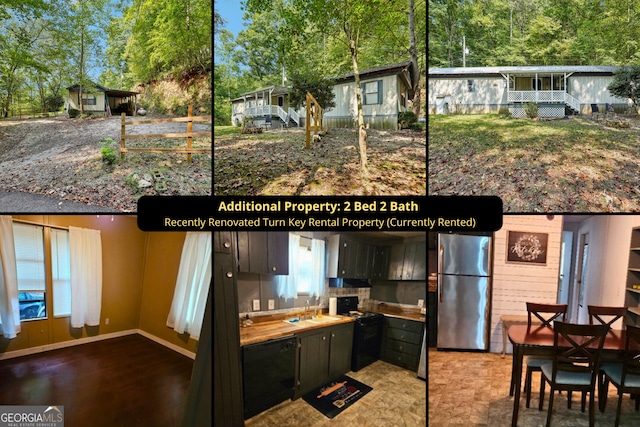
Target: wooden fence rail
x,y
314,110
189,134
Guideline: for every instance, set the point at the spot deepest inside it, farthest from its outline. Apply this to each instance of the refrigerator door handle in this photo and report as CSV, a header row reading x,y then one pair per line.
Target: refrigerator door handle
x,y
440,254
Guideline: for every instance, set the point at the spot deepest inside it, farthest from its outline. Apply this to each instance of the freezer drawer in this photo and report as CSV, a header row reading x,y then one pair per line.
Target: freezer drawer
x,y
463,312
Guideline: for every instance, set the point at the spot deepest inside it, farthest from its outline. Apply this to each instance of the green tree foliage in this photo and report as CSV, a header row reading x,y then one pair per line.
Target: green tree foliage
x,y
538,32
168,37
321,89
626,84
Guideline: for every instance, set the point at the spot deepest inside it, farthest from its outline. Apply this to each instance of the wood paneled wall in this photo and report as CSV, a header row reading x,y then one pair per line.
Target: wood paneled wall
x,y
515,284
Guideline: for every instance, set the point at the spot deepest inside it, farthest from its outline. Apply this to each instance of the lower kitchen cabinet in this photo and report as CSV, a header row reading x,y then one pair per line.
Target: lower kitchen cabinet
x,y
401,342
324,354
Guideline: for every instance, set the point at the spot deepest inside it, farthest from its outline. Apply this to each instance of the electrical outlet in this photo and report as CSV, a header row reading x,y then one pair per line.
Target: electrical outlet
x,y
420,302
272,304
106,321
256,305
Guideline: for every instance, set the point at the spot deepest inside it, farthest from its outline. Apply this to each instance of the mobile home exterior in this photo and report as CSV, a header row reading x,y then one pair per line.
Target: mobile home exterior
x,y
384,89
98,99
558,90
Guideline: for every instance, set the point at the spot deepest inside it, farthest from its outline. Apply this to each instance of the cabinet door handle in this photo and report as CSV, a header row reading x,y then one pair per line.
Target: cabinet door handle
x,y
273,268
401,336
229,274
333,335
400,347
324,338
227,245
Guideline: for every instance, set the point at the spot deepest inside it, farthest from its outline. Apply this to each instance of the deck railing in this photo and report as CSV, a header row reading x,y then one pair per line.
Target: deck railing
x,y
274,110
540,96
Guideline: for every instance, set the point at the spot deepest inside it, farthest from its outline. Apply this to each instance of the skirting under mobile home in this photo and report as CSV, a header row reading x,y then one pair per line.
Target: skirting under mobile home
x,y
558,90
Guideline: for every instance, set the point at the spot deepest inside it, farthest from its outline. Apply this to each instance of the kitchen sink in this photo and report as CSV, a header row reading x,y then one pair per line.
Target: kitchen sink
x,y
323,319
314,321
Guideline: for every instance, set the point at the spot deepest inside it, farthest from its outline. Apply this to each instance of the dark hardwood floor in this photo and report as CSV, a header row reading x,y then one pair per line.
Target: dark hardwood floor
x,y
127,381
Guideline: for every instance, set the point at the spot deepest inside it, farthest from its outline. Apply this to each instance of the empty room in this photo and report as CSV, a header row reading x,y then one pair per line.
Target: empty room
x,y
103,323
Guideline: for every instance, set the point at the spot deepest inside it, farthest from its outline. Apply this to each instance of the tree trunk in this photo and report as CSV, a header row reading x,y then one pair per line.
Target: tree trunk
x,y
414,91
81,106
362,133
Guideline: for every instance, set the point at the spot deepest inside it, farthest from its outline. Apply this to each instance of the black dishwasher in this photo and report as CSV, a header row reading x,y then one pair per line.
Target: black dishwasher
x,y
267,374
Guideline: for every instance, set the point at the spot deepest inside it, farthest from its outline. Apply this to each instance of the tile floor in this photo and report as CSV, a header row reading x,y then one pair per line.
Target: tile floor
x,y
472,390
398,399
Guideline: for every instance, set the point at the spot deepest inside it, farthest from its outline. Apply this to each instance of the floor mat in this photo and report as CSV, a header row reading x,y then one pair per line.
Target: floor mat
x,y
336,396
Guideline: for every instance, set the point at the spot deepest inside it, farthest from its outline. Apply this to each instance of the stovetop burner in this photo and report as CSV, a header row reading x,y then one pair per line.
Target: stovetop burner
x,y
362,315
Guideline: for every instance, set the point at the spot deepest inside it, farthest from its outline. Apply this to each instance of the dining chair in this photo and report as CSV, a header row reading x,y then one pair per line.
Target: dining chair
x,y
576,361
626,375
610,314
545,313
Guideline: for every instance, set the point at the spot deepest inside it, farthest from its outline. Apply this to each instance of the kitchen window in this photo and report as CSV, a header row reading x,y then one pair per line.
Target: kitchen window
x,y
306,268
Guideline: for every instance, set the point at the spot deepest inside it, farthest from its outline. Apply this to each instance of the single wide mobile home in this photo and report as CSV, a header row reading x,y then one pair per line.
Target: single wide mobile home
x,y
558,90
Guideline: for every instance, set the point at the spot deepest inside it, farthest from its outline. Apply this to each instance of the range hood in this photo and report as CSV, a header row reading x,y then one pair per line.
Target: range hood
x,y
349,283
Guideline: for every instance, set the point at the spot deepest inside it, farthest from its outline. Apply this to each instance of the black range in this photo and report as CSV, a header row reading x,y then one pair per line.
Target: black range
x,y
367,332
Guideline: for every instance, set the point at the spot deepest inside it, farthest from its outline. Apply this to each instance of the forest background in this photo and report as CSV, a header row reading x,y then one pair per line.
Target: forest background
x,y
284,41
534,32
48,45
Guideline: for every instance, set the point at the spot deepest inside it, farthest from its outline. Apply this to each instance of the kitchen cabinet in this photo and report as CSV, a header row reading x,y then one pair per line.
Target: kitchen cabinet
x,y
408,261
380,262
401,342
263,252
432,318
632,298
348,258
324,354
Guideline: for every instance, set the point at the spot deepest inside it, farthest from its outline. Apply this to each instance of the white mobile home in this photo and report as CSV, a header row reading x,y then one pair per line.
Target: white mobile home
x,y
385,92
558,90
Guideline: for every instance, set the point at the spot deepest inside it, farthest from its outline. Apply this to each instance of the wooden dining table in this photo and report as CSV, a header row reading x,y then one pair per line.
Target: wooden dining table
x,y
538,340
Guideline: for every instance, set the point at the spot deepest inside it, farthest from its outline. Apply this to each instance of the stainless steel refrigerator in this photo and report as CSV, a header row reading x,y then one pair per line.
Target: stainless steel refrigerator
x,y
464,291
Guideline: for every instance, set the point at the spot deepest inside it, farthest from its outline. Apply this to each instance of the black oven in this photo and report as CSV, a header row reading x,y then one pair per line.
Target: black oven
x,y
367,332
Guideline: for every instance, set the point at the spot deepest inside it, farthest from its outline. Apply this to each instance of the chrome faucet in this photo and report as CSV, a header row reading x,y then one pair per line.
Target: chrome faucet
x,y
306,310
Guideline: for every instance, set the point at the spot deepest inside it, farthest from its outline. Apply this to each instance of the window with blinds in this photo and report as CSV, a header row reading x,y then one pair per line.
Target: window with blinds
x,y
29,246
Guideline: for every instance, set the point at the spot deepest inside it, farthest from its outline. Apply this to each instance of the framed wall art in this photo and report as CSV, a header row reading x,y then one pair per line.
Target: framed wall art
x,y
527,248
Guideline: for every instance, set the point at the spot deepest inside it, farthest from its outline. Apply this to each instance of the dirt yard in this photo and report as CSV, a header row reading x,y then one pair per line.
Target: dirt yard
x,y
61,158
277,163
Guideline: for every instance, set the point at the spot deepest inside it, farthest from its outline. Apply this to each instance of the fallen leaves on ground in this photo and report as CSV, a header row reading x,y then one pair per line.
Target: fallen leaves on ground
x,y
277,163
573,165
61,158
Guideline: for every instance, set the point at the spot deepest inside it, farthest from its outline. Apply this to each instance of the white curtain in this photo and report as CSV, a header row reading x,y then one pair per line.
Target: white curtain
x,y
317,267
85,248
9,306
192,285
286,285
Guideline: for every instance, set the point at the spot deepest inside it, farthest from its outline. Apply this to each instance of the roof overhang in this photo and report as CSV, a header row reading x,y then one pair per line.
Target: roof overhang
x,y
523,70
378,71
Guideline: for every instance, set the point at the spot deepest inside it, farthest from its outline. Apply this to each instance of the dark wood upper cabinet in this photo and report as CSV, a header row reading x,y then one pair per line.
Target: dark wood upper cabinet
x,y
380,262
408,261
263,252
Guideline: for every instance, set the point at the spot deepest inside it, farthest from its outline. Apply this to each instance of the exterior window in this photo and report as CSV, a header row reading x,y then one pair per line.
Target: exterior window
x,y
88,99
372,92
29,246
470,85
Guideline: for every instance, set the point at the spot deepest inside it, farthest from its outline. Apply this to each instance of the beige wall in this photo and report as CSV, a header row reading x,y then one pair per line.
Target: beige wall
x,y
160,272
139,275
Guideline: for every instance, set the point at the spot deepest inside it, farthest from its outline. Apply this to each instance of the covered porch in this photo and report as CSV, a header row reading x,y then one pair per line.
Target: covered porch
x,y
263,105
547,89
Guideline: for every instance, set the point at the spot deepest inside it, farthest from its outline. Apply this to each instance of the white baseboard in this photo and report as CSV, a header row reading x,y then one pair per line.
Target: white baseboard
x,y
85,340
63,344
167,344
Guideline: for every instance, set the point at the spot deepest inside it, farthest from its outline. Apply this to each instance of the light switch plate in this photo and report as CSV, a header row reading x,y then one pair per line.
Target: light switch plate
x,y
256,304
420,302
272,304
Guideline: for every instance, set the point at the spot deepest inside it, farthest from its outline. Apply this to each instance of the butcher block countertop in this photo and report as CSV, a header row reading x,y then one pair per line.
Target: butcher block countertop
x,y
264,331
400,312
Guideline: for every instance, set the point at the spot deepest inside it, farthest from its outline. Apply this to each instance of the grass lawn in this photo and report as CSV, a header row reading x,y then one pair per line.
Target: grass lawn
x,y
276,163
574,165
225,130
